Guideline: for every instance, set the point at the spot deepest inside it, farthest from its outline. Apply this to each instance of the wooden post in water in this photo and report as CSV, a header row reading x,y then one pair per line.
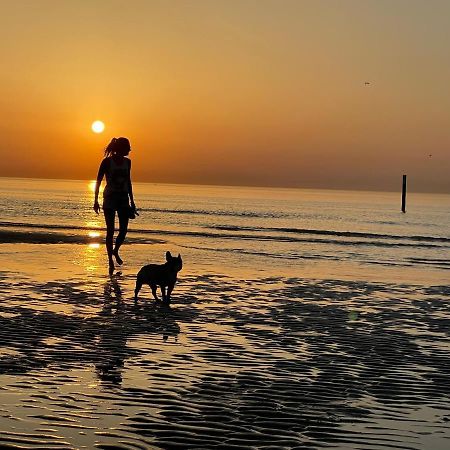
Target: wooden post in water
x,y
404,194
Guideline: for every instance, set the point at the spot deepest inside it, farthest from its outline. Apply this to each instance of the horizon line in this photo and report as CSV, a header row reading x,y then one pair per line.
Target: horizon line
x,y
258,186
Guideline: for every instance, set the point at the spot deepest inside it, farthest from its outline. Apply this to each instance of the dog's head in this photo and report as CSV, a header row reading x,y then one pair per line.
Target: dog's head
x,y
174,261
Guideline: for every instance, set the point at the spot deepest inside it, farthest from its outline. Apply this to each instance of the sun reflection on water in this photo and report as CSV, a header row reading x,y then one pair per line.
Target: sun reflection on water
x,y
90,257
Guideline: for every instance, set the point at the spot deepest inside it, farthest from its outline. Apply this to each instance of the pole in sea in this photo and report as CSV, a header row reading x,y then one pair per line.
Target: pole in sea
x,y
404,194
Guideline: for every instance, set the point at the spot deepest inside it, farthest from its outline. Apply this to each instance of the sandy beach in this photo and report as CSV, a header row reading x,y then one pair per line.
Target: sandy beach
x,y
259,361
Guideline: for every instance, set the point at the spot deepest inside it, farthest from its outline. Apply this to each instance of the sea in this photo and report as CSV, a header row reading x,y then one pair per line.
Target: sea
x,y
315,233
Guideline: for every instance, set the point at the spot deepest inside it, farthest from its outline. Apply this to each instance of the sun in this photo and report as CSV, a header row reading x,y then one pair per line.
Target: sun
x,y
98,126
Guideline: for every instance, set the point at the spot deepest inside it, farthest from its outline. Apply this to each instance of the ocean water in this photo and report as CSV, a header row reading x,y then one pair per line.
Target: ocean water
x,y
319,233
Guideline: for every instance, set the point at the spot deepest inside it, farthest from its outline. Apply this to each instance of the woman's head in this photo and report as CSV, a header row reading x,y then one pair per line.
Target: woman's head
x,y
118,146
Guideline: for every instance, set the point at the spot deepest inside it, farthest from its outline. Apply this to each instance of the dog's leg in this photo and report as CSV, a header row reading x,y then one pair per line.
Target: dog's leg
x,y
137,289
163,293
154,287
169,291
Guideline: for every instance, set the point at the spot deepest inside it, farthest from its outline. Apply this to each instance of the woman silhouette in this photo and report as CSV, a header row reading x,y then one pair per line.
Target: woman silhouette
x,y
117,195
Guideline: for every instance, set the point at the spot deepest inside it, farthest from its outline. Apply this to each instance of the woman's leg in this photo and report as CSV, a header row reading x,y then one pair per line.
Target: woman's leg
x,y
123,228
109,221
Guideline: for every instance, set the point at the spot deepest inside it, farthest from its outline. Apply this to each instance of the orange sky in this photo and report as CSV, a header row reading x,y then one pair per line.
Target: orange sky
x,y
230,92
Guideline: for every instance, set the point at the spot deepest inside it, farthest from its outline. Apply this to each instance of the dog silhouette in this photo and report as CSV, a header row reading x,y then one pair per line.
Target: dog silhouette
x,y
162,275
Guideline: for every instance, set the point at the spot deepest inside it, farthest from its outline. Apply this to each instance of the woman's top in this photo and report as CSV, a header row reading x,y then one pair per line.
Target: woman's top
x,y
117,176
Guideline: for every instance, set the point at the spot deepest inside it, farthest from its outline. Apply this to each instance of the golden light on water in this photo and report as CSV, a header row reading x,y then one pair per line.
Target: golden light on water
x,y
96,223
91,257
93,233
98,126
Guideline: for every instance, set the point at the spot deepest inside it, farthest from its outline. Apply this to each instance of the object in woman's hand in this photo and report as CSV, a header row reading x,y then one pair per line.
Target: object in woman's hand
x,y
132,213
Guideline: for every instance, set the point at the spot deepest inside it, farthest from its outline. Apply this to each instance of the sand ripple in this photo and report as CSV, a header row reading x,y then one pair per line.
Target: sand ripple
x,y
266,363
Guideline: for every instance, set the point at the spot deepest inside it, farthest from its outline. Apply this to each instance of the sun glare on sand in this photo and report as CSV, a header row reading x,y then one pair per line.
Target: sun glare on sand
x,y
98,126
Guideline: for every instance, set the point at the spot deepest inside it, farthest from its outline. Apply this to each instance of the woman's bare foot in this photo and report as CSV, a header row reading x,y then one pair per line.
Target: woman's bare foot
x,y
118,258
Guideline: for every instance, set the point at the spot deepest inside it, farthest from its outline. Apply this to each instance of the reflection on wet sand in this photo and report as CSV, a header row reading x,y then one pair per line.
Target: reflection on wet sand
x,y
34,336
112,339
276,362
91,258
121,319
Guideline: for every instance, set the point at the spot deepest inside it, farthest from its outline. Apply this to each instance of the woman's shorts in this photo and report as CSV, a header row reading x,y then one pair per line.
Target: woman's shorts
x,y
116,201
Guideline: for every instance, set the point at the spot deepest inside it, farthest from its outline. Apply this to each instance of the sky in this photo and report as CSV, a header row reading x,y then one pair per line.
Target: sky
x,y
339,94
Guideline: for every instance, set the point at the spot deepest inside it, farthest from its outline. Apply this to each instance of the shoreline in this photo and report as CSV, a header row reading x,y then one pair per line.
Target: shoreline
x,y
84,257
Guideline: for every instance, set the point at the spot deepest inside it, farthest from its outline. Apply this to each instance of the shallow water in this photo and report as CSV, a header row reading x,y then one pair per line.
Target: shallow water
x,y
362,231
256,351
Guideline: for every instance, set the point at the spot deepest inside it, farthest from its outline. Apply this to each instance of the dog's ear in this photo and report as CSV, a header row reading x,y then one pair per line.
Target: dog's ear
x,y
168,256
179,256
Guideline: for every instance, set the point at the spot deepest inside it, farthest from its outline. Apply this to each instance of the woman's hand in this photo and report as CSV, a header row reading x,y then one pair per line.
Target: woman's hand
x,y
96,207
133,207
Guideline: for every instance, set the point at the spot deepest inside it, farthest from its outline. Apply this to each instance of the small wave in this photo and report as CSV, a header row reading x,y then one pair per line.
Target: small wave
x,y
48,226
260,233
441,263
137,236
349,234
42,237
223,213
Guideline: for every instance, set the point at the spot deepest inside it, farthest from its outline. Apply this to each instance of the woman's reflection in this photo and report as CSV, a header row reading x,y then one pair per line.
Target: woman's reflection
x,y
113,334
121,322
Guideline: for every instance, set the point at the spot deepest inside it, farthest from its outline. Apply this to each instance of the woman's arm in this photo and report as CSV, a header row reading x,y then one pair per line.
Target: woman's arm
x,y
100,175
130,188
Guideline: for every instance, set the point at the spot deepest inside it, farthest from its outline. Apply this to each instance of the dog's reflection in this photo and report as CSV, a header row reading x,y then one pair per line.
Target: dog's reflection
x,y
123,320
159,318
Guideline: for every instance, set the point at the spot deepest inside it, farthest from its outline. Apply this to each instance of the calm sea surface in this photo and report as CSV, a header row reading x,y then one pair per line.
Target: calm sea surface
x,y
336,232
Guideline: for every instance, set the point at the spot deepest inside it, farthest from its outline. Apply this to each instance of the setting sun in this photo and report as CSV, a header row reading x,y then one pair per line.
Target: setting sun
x,y
98,126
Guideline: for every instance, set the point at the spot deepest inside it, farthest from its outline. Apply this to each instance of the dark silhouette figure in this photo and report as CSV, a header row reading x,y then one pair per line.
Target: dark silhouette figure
x,y
162,275
112,293
117,195
111,348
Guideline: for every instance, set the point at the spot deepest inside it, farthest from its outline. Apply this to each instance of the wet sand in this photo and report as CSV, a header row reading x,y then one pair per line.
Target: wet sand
x,y
261,360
